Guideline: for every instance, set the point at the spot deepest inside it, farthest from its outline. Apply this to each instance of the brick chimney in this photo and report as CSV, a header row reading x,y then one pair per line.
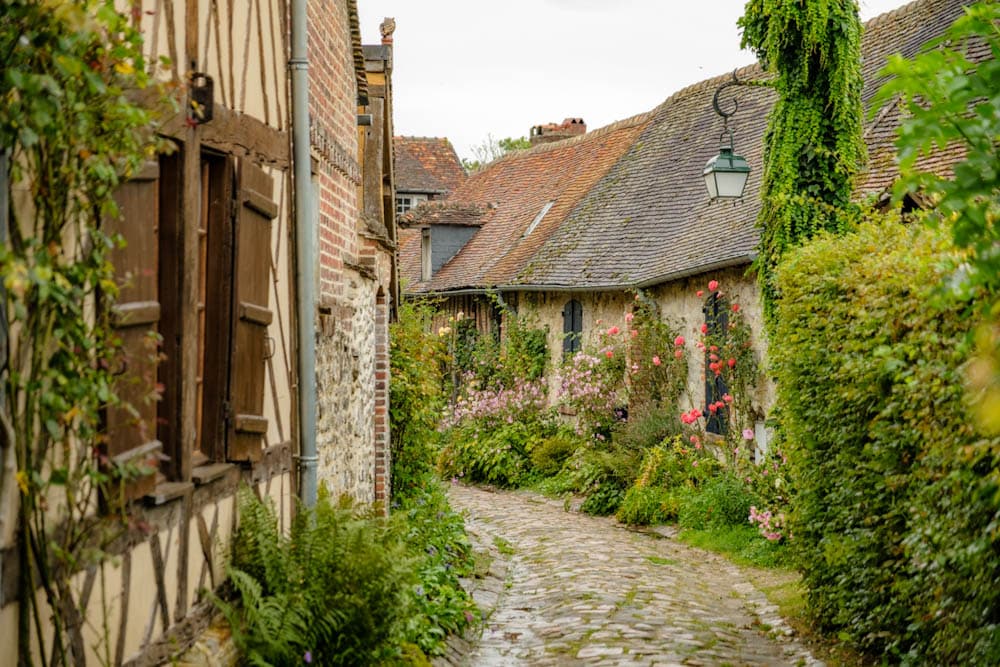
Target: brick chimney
x,y
570,127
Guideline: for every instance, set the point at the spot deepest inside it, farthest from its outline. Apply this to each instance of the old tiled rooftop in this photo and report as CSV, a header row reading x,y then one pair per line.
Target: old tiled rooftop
x,y
426,164
630,204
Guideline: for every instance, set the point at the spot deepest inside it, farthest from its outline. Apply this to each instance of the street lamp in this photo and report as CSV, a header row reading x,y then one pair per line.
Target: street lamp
x,y
726,174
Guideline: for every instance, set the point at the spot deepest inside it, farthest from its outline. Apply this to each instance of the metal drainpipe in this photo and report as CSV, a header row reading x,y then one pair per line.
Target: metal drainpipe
x,y
305,249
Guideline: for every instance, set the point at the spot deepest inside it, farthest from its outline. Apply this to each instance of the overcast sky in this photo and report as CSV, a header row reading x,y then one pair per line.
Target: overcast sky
x,y
465,69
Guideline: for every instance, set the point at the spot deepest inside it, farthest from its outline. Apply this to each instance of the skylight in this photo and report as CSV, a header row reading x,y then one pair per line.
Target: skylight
x,y
538,218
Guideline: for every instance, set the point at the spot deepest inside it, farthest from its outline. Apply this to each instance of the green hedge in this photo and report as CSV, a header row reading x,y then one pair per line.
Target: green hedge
x,y
896,517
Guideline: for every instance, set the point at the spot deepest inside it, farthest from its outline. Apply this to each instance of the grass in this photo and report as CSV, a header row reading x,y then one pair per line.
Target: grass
x,y
768,566
741,544
656,560
503,546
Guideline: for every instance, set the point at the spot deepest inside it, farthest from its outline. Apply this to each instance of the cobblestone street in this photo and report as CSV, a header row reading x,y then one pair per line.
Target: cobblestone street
x,y
585,590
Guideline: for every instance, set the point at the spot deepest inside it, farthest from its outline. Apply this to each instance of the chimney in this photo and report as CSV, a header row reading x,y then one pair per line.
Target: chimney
x,y
570,127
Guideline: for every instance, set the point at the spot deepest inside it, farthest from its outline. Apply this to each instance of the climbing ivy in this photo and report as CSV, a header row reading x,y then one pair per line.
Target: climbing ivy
x,y
813,146
71,136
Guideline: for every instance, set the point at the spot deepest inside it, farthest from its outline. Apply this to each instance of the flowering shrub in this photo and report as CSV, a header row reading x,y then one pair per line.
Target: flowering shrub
x,y
772,527
730,369
589,387
488,408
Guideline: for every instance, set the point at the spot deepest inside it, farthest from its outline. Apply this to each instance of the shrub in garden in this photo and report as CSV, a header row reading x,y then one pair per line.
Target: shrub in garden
x,y
416,397
338,587
347,586
895,510
722,501
549,454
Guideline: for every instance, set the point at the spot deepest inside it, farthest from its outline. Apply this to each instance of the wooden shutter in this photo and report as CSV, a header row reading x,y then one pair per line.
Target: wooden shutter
x,y
572,326
135,317
255,209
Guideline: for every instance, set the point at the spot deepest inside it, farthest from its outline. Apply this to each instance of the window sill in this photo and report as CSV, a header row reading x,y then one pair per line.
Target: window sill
x,y
167,491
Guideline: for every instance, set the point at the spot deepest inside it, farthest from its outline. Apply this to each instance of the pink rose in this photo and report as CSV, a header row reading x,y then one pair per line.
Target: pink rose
x,y
700,293
736,307
731,362
748,433
613,331
628,317
609,354
727,398
679,341
713,285
704,328
678,354
656,360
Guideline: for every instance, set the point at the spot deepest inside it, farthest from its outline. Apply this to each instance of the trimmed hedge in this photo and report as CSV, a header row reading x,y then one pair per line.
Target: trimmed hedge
x,y
896,516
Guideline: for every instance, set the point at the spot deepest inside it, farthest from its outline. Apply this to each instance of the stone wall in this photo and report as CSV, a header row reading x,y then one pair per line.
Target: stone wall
x,y
679,305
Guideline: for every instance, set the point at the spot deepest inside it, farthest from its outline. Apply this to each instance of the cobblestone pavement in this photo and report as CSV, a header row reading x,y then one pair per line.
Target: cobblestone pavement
x,y
584,590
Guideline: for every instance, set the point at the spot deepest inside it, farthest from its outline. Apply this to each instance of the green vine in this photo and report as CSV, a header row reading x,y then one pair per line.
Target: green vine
x,y
813,147
71,136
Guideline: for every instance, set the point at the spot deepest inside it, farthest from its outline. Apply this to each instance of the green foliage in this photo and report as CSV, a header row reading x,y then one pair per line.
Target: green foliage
x,y
71,136
442,551
347,586
416,398
951,102
723,501
496,455
549,454
740,543
813,147
648,505
896,510
339,586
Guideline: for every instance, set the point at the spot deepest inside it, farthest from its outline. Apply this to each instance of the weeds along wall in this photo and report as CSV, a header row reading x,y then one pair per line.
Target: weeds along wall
x,y
896,510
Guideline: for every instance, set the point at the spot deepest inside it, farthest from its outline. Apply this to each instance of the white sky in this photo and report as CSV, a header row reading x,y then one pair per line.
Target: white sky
x,y
468,68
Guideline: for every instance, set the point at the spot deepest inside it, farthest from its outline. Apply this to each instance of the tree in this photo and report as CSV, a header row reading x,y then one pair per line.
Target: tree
x,y
813,147
493,149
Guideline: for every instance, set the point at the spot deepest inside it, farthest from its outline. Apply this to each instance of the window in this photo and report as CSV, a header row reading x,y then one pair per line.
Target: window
x,y
406,202
425,254
572,326
221,350
717,320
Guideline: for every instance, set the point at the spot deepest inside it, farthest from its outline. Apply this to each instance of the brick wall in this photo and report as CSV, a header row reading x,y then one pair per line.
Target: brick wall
x,y
351,326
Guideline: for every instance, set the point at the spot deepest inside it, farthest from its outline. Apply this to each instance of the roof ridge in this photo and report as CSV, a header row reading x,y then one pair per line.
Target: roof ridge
x,y
894,14
631,121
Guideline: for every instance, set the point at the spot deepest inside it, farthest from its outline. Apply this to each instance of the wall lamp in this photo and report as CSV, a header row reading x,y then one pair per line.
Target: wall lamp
x,y
726,174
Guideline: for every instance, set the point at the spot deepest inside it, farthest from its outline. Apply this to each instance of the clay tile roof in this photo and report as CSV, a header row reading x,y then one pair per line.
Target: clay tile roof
x,y
426,164
514,190
630,207
444,213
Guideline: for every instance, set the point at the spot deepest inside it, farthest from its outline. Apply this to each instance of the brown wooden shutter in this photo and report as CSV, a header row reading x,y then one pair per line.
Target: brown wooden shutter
x,y
135,317
251,316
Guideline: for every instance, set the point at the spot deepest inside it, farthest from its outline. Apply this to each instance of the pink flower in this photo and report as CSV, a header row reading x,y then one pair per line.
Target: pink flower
x,y
679,341
700,293
748,433
694,439
635,332
613,331
727,398
704,328
656,360
678,354
628,317
731,362
694,464
713,285
609,354
736,307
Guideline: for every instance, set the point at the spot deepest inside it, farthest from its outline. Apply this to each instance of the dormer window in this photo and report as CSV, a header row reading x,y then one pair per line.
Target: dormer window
x,y
538,219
